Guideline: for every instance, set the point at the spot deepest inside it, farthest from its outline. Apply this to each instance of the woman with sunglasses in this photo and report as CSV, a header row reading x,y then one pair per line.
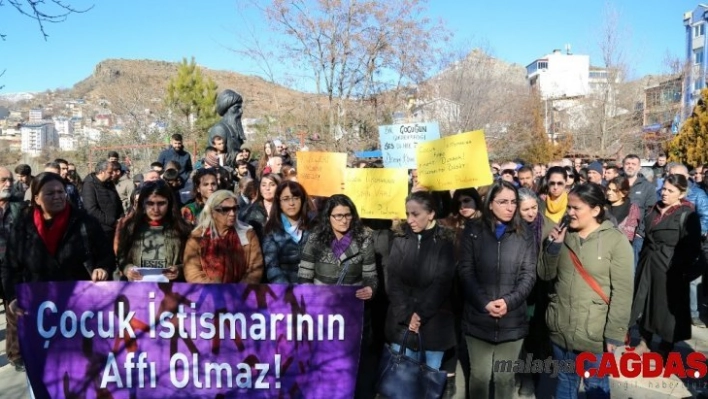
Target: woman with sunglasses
x,y
153,236
557,199
220,249
204,183
286,232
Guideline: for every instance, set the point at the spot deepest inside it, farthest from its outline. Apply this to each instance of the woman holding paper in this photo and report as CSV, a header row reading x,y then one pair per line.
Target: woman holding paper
x,y
204,183
286,233
153,237
221,249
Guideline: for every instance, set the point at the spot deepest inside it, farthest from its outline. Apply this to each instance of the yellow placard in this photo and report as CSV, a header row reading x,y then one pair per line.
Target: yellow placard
x,y
321,173
452,162
378,193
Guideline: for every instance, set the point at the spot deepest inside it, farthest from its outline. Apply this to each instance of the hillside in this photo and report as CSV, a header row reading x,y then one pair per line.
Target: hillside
x,y
146,80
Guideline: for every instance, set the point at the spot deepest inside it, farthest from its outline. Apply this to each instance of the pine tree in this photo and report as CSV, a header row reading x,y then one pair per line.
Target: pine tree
x,y
540,149
193,97
690,145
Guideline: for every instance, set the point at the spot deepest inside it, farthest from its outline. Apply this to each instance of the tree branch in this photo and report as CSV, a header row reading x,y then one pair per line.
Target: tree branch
x,y
34,9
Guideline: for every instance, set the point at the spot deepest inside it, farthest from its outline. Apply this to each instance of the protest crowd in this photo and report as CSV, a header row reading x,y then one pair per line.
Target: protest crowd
x,y
549,260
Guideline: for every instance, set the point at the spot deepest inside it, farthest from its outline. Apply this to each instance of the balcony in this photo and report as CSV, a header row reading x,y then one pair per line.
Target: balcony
x,y
538,65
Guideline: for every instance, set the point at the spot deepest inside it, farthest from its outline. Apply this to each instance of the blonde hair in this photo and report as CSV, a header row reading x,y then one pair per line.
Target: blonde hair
x,y
206,220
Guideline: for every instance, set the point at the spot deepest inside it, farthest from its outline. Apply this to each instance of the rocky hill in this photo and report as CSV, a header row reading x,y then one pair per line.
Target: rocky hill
x,y
146,80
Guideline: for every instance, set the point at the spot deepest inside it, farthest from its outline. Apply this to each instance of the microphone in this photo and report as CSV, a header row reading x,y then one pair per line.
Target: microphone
x,y
564,222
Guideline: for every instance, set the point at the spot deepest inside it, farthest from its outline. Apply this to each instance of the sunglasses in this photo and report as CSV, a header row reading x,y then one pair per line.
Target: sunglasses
x,y
224,210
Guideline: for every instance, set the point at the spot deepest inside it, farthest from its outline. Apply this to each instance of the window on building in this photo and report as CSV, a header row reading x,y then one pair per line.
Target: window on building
x,y
699,30
543,65
698,56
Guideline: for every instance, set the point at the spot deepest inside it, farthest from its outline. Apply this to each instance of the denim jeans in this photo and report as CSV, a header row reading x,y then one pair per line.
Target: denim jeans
x,y
432,358
569,383
695,311
637,246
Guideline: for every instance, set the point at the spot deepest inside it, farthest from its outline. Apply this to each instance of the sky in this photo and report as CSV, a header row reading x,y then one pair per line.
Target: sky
x,y
209,30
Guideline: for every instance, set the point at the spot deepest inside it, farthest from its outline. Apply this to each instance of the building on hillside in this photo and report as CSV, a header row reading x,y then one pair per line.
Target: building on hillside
x,y
63,125
442,110
696,43
36,115
37,137
91,134
562,80
67,143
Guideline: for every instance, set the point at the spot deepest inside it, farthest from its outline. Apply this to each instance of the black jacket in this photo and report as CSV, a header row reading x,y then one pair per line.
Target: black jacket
x,y
27,258
492,269
419,280
101,200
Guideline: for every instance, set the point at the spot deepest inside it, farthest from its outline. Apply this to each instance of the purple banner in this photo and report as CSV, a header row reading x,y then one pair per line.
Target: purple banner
x,y
151,340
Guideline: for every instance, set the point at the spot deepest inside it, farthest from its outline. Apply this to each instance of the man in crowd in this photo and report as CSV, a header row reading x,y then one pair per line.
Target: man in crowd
x,y
642,193
157,167
242,171
276,164
113,157
508,175
659,166
611,172
595,172
526,179
578,164
101,199
72,192
177,153
24,179
282,150
124,186
9,216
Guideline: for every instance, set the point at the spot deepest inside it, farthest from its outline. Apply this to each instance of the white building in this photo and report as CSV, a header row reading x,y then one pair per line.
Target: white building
x,y
560,75
36,115
37,137
67,143
63,125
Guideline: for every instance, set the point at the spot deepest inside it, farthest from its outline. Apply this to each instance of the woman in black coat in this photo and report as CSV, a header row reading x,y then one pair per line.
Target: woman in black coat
x,y
419,282
497,273
667,265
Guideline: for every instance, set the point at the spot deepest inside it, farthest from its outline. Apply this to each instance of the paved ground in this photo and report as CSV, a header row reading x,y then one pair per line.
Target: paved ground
x,y
13,385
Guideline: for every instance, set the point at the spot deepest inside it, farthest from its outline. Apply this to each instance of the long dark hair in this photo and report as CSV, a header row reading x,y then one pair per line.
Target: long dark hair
x,y
172,222
270,176
323,228
515,224
296,190
593,196
468,192
39,181
196,180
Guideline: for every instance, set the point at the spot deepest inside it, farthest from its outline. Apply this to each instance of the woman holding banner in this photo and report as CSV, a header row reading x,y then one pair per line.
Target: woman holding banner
x,y
154,235
258,213
53,241
340,251
220,249
286,232
204,183
419,284
497,273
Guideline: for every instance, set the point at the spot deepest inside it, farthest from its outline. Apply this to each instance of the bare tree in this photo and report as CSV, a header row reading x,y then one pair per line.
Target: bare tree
x,y
353,50
43,12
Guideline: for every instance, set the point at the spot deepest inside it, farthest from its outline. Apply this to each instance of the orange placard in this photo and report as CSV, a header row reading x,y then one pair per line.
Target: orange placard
x,y
321,173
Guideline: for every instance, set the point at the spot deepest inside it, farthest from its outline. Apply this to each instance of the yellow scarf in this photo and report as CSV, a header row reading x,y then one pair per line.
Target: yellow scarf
x,y
556,209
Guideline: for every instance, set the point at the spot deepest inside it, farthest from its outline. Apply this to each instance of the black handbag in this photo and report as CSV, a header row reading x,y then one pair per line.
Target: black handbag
x,y
402,377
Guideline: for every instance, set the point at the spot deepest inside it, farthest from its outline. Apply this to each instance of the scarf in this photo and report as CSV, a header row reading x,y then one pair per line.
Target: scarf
x,y
293,230
537,229
556,209
500,230
223,258
51,235
341,246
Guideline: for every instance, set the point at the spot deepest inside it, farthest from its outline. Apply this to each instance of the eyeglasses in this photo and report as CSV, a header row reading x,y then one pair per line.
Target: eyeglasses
x,y
340,216
155,203
505,202
4,180
224,210
556,183
294,198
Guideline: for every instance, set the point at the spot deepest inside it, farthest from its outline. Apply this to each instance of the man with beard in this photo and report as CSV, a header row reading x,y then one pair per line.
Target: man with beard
x,y
9,214
177,153
72,192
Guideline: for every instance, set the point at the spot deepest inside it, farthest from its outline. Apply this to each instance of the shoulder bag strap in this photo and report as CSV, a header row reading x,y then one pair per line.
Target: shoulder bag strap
x,y
587,277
